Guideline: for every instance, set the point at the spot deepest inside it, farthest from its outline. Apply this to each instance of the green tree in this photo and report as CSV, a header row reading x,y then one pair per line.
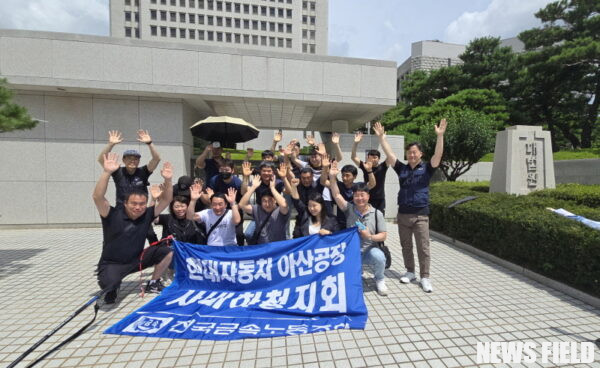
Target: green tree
x,y
12,116
560,79
469,136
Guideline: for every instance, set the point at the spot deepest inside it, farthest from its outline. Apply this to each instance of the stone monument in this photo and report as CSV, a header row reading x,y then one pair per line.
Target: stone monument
x,y
523,160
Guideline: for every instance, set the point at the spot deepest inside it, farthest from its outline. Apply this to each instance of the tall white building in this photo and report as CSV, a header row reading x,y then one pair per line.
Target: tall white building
x,y
299,26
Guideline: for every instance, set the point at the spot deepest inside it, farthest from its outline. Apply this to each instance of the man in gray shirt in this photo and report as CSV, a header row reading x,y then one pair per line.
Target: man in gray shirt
x,y
270,215
372,228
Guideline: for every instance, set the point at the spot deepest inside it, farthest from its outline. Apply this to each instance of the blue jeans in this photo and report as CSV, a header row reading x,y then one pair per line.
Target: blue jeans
x,y
375,258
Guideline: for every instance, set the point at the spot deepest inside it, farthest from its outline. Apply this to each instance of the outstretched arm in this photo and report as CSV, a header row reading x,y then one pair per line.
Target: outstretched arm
x,y
167,196
357,138
195,190
369,168
114,138
244,202
246,172
335,191
283,207
276,139
235,212
440,129
110,163
390,159
144,137
200,161
335,139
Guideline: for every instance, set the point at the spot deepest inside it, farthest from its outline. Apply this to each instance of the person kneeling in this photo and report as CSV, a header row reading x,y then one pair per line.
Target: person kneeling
x,y
124,230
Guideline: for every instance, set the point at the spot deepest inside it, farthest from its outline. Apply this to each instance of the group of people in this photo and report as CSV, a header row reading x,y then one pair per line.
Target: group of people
x,y
211,211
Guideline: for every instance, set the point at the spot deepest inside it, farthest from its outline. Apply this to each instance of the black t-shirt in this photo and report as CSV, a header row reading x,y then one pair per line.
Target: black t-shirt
x,y
183,229
264,188
211,168
218,185
124,238
125,182
378,192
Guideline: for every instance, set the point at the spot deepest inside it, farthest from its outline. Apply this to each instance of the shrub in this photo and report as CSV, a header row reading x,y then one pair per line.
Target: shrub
x,y
520,229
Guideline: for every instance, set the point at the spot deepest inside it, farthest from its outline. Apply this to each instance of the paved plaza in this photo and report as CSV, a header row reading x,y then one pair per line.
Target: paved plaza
x,y
46,274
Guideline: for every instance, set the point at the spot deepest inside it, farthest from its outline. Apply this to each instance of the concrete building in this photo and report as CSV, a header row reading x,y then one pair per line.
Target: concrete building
x,y
83,86
279,25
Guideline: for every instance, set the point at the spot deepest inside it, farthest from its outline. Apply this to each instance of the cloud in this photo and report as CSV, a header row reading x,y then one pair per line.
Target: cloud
x,y
395,52
73,16
502,18
339,39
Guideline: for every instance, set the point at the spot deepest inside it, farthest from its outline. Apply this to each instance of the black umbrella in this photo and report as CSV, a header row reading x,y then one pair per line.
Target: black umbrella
x,y
224,129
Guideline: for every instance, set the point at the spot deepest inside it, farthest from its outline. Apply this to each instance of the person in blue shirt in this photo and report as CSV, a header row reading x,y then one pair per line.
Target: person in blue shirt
x,y
413,201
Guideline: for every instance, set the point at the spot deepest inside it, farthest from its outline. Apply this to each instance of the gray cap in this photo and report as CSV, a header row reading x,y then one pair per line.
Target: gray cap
x,y
131,152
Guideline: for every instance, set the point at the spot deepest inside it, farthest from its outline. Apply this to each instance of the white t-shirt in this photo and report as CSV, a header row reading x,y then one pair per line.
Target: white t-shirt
x,y
224,233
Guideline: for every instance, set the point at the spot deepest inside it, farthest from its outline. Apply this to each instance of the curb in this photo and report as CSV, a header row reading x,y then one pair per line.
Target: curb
x,y
559,286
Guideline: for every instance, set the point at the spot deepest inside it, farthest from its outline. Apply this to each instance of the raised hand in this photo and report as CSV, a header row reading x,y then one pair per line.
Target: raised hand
x,y
358,137
378,129
335,138
256,181
368,165
167,171
156,190
144,137
310,140
321,149
111,162
272,182
195,190
200,182
295,182
333,171
231,193
441,128
277,137
114,137
282,171
246,168
287,150
325,161
209,192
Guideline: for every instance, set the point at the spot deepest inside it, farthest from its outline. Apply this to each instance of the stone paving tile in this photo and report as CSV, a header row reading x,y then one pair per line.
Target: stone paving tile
x,y
46,274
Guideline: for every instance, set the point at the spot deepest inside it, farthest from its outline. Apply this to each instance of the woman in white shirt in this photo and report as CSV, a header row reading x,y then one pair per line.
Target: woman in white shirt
x,y
219,220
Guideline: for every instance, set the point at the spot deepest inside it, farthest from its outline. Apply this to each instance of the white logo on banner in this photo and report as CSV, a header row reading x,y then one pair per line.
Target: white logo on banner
x,y
148,325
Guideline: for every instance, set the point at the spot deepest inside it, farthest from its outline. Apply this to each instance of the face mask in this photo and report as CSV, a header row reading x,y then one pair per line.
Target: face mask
x,y
226,175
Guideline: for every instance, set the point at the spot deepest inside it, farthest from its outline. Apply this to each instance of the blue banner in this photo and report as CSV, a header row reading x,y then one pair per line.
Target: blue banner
x,y
291,287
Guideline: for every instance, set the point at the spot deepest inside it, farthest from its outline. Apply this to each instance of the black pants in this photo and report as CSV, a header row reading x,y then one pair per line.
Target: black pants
x,y
110,275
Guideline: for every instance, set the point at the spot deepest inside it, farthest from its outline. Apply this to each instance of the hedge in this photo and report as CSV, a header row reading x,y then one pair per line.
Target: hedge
x,y
521,230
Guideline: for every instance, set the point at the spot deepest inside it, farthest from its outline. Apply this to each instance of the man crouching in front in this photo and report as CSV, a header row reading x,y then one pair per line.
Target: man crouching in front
x,y
124,230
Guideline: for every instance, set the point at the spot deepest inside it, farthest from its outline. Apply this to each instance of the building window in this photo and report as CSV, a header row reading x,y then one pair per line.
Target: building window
x,y
312,21
312,35
210,20
182,3
210,35
219,5
263,40
312,5
163,15
288,13
280,27
280,12
272,12
304,47
288,28
236,7
182,32
163,2
153,30
163,31
227,22
137,16
200,35
127,2
312,49
304,19
201,6
263,25
288,43
127,31
192,17
210,5
173,2
192,3
153,14
237,38
272,41
128,16
263,10
246,9
152,1
228,37
255,9
220,21
280,42
254,39
182,17
246,39
304,33
289,1
173,16
272,26
246,24
192,33
237,23
220,36
173,32
255,25
228,7
305,5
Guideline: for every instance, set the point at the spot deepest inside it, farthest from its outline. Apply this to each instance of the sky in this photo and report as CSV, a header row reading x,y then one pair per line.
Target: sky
x,y
372,29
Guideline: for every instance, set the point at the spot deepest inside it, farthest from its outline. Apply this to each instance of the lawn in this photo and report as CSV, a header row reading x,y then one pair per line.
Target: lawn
x,y
561,155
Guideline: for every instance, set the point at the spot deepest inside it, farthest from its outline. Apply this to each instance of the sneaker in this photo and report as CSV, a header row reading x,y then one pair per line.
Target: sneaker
x,y
426,285
408,278
381,288
154,286
111,296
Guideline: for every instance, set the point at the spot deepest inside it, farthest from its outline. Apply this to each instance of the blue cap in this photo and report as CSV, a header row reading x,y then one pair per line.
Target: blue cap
x,y
131,152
